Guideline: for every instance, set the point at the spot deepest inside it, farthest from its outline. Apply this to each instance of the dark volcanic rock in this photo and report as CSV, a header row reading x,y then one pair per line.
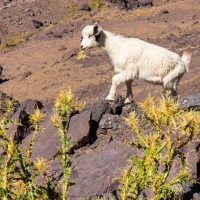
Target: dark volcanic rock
x,y
47,143
1,68
192,193
22,130
25,75
109,121
145,3
191,101
117,105
84,6
19,131
57,35
103,106
192,151
96,166
128,108
128,4
54,171
165,11
37,23
30,105
94,171
80,128
131,4
3,102
98,109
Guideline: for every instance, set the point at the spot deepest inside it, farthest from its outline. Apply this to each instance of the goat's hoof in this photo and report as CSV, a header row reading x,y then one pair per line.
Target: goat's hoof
x,y
109,98
128,100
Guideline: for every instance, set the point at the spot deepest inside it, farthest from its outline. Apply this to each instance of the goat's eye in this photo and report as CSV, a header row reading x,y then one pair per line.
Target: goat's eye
x,y
90,36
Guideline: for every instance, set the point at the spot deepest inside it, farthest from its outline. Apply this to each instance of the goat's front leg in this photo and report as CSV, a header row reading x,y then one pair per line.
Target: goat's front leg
x,y
129,95
116,80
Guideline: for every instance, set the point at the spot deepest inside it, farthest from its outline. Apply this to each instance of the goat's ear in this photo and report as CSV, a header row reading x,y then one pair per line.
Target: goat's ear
x,y
97,29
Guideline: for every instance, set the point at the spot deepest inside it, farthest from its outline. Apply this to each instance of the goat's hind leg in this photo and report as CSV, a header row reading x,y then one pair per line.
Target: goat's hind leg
x,y
116,80
176,82
129,95
171,80
169,90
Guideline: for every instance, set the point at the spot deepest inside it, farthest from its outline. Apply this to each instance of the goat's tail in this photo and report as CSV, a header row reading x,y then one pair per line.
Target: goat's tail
x,y
186,57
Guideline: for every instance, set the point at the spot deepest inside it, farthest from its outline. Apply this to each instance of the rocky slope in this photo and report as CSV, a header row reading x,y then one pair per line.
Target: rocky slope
x,y
100,149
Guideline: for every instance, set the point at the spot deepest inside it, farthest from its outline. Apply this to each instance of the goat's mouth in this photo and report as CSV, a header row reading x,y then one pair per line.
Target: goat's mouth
x,y
84,48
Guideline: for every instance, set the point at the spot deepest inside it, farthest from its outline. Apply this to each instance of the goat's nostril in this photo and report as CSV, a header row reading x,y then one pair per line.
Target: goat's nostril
x,y
81,46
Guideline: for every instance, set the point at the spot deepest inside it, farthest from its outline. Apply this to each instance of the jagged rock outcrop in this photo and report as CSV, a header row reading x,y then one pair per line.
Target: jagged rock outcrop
x,y
110,121
191,101
132,4
97,159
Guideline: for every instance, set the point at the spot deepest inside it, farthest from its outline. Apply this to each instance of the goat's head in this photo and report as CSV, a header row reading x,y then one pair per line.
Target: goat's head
x,y
90,36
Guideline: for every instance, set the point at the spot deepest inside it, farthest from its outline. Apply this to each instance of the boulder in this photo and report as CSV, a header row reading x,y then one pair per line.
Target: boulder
x,y
26,75
102,106
57,35
191,102
98,109
94,172
165,11
84,6
19,131
80,128
47,143
37,24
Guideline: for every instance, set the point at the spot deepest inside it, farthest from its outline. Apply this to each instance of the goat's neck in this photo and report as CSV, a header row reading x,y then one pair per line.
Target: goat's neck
x,y
109,43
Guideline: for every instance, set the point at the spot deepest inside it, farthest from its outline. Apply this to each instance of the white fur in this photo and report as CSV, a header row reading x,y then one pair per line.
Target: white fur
x,y
134,58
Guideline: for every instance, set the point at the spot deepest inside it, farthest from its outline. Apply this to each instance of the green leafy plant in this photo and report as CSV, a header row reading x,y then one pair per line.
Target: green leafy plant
x,y
31,170
65,105
162,132
18,172
8,153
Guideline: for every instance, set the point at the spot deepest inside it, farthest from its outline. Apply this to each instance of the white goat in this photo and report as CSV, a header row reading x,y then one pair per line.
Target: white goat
x,y
135,58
